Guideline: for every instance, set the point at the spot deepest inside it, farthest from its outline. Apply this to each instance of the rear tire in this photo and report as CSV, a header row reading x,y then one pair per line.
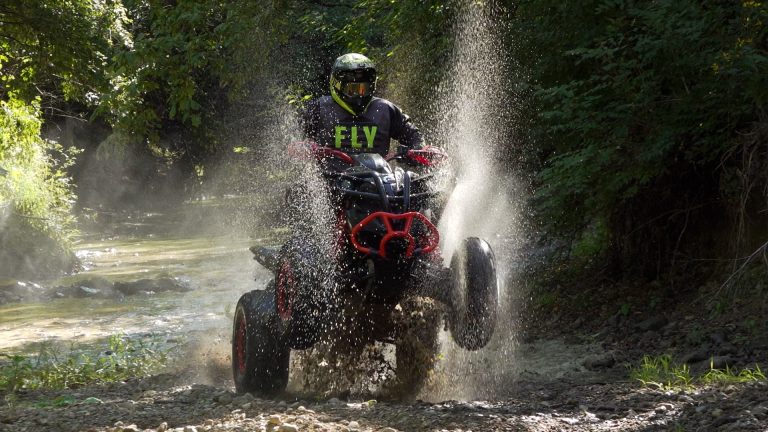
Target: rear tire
x,y
474,297
259,356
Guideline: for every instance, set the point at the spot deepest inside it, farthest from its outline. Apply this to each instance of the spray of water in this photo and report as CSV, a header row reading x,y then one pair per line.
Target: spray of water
x,y
475,125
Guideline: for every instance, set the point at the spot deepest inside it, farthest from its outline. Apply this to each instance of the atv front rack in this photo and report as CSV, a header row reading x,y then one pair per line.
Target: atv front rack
x,y
428,240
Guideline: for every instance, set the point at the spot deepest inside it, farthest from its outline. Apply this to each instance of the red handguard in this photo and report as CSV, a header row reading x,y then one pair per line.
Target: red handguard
x,y
427,156
430,241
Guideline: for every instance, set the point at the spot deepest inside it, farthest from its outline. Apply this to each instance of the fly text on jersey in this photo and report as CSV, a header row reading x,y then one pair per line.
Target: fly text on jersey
x,y
351,136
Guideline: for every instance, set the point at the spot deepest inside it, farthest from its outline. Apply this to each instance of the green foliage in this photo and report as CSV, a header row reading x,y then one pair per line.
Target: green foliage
x,y
121,359
36,196
35,184
642,107
185,59
663,373
59,46
731,376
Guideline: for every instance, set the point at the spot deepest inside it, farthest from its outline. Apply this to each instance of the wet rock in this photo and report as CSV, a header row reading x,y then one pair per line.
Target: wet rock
x,y
718,338
97,287
600,361
728,349
224,399
16,291
151,286
723,420
720,362
760,410
128,405
149,394
652,324
696,356
242,399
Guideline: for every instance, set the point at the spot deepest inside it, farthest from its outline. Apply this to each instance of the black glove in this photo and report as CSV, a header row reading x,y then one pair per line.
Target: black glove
x,y
402,150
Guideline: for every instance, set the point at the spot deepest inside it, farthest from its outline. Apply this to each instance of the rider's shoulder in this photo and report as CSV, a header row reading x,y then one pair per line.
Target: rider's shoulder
x,y
376,101
380,104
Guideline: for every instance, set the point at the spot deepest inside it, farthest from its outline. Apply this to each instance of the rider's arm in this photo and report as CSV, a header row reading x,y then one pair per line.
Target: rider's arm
x,y
404,131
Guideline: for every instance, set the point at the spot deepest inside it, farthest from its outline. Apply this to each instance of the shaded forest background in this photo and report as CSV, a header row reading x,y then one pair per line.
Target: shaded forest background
x,y
641,126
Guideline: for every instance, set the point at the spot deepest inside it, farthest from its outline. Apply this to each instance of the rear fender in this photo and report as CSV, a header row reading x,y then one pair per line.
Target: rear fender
x,y
269,257
263,303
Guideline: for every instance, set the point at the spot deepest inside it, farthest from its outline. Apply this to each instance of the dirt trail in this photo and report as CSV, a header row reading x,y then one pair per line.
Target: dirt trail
x,y
548,392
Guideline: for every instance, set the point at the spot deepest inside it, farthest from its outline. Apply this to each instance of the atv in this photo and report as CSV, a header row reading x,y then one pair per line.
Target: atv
x,y
385,253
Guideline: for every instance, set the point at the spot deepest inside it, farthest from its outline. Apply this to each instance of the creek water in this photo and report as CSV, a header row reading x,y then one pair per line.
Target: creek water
x,y
217,267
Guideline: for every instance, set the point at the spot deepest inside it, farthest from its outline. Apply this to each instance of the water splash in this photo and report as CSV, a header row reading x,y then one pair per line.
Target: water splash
x,y
475,127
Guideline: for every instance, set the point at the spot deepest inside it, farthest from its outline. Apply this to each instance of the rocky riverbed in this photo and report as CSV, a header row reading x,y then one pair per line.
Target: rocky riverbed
x,y
159,404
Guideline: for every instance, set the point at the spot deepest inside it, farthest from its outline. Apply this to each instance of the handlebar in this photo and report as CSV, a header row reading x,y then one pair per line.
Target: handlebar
x,y
428,156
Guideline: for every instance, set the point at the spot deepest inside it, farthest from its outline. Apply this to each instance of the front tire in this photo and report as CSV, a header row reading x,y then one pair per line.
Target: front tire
x,y
474,295
259,356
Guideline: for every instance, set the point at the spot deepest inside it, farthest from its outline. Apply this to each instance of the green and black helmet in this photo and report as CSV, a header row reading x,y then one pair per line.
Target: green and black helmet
x,y
353,81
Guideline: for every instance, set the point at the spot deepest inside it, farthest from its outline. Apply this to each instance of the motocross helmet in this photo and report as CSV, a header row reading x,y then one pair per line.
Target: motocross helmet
x,y
353,81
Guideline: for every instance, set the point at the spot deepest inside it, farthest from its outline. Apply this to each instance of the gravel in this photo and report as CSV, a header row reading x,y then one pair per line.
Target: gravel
x,y
532,406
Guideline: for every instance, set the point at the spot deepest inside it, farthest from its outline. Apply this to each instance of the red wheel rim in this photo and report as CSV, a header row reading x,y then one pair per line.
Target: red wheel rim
x,y
240,343
286,290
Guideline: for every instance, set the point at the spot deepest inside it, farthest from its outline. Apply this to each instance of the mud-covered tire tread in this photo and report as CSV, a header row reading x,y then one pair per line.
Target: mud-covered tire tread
x,y
417,345
266,355
473,318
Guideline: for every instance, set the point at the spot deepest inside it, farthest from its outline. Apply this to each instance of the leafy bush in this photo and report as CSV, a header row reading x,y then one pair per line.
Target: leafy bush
x,y
646,112
36,196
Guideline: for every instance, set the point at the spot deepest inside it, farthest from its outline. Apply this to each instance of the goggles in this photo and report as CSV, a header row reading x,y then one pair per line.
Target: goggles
x,y
356,89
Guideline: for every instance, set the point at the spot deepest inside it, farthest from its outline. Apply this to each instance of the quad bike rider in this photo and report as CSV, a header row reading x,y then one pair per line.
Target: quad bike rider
x,y
385,254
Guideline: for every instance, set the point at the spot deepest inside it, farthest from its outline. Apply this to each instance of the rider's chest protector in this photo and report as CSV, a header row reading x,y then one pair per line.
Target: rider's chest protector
x,y
330,125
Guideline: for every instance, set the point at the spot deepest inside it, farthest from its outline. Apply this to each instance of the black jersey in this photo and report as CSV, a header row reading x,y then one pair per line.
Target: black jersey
x,y
330,125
